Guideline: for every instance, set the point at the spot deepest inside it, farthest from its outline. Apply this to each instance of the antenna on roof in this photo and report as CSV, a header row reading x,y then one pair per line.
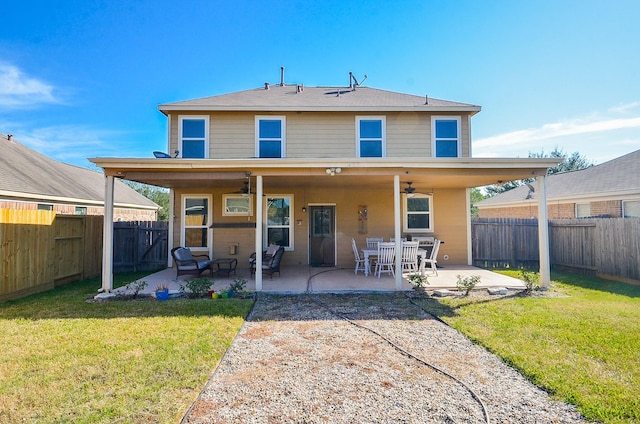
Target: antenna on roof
x,y
353,82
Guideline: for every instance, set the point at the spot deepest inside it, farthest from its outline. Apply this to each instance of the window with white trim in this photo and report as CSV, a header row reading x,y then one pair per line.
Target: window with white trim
x,y
445,134
631,208
370,136
279,228
270,136
196,215
583,210
236,205
418,213
193,133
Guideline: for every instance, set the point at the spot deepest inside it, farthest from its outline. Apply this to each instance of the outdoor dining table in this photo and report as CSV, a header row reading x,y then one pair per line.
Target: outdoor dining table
x,y
368,253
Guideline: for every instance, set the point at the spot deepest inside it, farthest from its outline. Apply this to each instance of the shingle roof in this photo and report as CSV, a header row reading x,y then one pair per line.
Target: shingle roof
x,y
298,98
24,170
615,177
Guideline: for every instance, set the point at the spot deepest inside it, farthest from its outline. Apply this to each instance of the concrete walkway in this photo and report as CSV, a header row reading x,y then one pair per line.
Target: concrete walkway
x,y
299,278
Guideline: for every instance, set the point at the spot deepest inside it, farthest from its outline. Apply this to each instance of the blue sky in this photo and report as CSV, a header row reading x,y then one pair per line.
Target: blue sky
x,y
84,78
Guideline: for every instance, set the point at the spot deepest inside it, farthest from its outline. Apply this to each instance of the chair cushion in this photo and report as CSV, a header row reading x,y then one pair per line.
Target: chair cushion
x,y
183,254
272,249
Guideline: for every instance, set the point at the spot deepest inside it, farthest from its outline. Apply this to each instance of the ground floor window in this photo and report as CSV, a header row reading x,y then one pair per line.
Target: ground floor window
x,y
631,208
418,214
278,228
196,215
583,210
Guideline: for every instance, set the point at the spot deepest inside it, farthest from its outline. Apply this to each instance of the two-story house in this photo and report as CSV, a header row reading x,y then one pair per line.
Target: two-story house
x,y
310,168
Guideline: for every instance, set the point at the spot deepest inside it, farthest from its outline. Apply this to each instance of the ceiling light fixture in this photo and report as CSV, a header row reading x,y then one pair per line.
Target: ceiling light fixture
x,y
333,171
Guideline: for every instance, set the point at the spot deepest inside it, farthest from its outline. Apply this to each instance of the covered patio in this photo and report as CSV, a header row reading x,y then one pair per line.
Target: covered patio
x,y
302,278
355,185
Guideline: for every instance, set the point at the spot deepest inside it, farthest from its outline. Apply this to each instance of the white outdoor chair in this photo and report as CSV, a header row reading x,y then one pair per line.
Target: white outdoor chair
x,y
359,261
386,258
372,242
432,261
410,256
392,239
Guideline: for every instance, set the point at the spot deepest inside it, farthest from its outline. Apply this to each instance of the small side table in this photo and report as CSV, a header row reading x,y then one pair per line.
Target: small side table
x,y
224,265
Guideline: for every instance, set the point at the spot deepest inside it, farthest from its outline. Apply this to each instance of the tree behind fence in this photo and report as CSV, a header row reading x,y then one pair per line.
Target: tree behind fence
x,y
607,246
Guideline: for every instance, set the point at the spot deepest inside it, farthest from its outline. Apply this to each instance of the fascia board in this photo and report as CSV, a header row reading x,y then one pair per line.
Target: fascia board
x,y
17,196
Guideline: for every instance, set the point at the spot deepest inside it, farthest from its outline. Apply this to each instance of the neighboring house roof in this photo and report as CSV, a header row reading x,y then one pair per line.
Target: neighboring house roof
x,y
299,98
25,173
615,178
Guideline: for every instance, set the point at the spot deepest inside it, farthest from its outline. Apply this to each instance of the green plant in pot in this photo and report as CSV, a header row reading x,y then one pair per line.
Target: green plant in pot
x,y
162,292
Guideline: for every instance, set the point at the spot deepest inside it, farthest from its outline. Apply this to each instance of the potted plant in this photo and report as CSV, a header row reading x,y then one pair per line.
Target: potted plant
x,y
162,292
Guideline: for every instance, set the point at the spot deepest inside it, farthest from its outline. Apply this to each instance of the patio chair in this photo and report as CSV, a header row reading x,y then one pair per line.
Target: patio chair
x,y
359,261
432,261
186,263
410,256
372,242
270,264
386,258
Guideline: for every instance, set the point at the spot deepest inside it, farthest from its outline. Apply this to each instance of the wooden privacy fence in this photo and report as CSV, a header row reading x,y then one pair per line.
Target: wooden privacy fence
x,y
40,250
606,246
139,246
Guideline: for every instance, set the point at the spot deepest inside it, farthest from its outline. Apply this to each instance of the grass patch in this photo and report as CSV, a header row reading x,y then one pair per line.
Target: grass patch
x,y
67,360
582,347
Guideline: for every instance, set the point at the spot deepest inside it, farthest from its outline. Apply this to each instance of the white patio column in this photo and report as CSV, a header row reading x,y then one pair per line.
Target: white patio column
x,y
259,233
107,236
172,214
396,227
543,233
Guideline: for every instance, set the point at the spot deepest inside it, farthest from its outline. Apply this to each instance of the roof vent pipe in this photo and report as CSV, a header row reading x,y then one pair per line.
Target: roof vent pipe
x,y
266,85
282,76
10,137
426,99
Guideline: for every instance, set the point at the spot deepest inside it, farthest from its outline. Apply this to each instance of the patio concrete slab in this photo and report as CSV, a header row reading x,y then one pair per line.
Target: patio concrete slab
x,y
299,278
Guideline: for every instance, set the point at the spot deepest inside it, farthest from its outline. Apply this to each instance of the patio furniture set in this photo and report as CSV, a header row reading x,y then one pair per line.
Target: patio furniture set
x,y
417,255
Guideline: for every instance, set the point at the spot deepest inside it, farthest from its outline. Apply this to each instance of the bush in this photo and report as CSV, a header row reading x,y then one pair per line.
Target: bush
x,y
239,285
466,284
419,281
134,288
198,287
531,280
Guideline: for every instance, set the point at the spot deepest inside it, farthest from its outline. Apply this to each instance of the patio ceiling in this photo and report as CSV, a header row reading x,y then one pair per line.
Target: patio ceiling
x,y
426,174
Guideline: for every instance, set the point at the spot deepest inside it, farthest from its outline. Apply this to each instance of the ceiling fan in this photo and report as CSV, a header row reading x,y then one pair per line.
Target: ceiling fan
x,y
246,187
409,190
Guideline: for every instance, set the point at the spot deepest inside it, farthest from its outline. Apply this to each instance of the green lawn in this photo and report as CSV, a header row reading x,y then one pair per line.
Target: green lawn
x,y
66,360
583,347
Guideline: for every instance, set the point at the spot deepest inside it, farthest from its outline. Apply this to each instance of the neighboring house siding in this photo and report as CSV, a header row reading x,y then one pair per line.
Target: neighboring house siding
x,y
319,134
609,208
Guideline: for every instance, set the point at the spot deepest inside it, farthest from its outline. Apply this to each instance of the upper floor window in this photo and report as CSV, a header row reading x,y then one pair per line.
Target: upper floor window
x,y
270,136
418,214
446,136
370,134
194,136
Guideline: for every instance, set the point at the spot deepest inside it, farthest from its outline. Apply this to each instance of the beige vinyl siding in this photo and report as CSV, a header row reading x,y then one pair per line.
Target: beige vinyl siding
x,y
232,136
408,135
320,134
317,134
